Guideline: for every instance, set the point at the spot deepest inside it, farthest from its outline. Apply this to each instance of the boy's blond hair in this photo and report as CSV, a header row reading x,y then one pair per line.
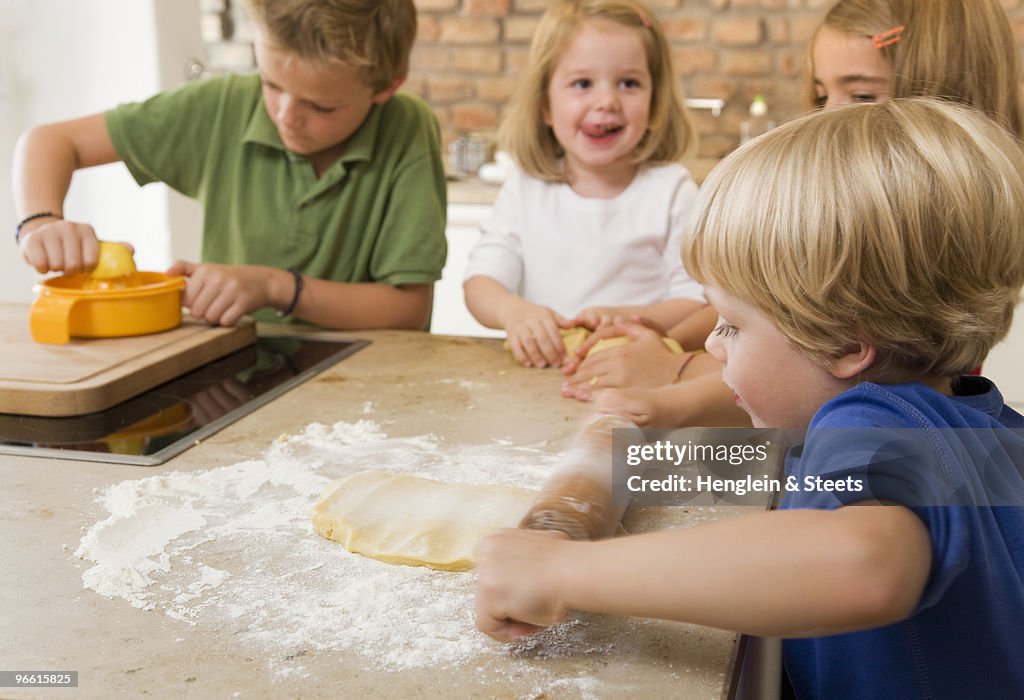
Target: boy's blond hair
x,y
524,132
374,36
960,50
897,224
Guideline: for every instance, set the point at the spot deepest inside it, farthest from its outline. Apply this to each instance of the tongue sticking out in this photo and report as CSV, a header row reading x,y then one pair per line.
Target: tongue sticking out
x,y
596,131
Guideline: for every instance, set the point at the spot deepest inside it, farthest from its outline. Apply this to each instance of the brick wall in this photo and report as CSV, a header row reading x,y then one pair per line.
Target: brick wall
x,y
468,53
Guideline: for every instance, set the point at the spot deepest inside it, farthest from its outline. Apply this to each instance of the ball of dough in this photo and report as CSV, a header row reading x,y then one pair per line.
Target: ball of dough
x,y
572,338
607,343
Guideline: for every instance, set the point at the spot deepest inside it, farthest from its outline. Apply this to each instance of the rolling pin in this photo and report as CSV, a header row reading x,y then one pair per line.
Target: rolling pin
x,y
578,499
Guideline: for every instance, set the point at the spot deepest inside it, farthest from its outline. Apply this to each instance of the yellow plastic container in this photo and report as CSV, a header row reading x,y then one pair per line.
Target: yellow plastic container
x,y
74,306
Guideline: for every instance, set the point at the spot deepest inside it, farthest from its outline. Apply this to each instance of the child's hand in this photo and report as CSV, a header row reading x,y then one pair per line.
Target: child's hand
x,y
222,294
640,406
59,246
700,399
644,363
596,317
516,590
534,334
619,326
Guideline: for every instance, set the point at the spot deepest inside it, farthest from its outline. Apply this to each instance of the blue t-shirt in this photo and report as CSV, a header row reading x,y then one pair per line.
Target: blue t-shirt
x,y
959,469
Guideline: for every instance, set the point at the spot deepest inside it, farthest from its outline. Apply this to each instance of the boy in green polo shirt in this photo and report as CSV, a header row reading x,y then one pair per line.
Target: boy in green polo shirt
x,y
323,191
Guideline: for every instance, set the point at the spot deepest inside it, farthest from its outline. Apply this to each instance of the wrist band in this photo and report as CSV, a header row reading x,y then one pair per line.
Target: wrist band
x,y
295,297
33,217
687,361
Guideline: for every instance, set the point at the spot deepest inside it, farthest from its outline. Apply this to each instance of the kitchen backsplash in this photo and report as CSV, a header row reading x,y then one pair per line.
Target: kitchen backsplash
x,y
468,53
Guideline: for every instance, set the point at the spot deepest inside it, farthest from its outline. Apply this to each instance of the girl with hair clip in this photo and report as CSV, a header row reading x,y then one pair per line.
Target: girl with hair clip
x,y
862,51
590,224
958,50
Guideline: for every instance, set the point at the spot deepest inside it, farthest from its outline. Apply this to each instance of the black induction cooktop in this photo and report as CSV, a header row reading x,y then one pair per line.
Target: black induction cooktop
x,y
168,419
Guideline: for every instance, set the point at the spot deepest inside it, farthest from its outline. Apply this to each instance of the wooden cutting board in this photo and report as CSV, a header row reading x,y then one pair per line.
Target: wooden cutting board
x,y
91,374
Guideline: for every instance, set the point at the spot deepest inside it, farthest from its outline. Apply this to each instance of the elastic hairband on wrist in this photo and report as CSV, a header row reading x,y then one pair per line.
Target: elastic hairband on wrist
x,y
33,217
686,362
295,297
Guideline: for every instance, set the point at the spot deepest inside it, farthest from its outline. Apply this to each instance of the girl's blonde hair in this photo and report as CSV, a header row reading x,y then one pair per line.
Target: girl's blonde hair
x,y
523,131
960,50
896,224
373,36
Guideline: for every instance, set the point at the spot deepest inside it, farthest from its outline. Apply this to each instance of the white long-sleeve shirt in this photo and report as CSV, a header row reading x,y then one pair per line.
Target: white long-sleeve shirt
x,y
553,247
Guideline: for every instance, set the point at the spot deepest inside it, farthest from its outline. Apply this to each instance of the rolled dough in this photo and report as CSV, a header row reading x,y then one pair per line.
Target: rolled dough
x,y
410,520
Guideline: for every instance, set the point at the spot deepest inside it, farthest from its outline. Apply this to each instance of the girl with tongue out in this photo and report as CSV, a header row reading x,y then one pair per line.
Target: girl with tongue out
x,y
589,225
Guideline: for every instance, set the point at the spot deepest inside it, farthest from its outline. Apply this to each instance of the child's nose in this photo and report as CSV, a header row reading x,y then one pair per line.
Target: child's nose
x,y
833,101
287,111
715,347
607,98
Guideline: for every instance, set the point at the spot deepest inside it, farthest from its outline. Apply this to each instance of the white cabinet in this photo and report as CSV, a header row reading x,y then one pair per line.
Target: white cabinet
x,y
451,317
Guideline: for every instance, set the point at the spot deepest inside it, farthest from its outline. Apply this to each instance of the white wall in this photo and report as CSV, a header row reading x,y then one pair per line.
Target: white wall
x,y
65,58
1005,364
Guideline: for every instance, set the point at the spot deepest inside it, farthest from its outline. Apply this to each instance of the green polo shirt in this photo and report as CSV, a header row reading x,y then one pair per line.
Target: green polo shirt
x,y
376,215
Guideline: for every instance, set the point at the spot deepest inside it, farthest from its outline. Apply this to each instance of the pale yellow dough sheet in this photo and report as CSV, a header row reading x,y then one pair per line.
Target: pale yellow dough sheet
x,y
404,519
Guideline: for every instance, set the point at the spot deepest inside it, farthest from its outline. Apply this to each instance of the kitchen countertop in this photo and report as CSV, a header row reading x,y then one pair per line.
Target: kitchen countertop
x,y
466,392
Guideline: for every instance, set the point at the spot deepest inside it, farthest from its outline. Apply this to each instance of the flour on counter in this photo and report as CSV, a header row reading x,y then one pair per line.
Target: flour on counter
x,y
232,548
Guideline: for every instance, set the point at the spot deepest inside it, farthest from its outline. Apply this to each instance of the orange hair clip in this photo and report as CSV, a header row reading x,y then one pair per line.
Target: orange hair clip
x,y
888,37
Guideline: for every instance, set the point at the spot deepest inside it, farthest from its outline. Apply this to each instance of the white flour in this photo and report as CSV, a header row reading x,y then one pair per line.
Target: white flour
x,y
232,548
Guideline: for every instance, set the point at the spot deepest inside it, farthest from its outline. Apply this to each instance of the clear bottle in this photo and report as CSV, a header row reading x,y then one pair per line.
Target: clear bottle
x,y
457,157
758,122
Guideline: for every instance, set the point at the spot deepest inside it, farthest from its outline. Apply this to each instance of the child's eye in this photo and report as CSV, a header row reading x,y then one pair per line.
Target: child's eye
x,y
865,97
630,83
820,100
582,83
322,110
724,330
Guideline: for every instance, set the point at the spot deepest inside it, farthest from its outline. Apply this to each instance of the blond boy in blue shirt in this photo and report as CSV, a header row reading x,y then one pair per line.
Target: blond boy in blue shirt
x,y
855,286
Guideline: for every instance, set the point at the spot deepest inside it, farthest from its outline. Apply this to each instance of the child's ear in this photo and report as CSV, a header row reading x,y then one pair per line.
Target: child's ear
x,y
545,110
385,94
856,361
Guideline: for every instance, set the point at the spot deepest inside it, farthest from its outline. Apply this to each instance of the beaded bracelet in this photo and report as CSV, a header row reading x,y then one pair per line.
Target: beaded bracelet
x,y
295,297
33,217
